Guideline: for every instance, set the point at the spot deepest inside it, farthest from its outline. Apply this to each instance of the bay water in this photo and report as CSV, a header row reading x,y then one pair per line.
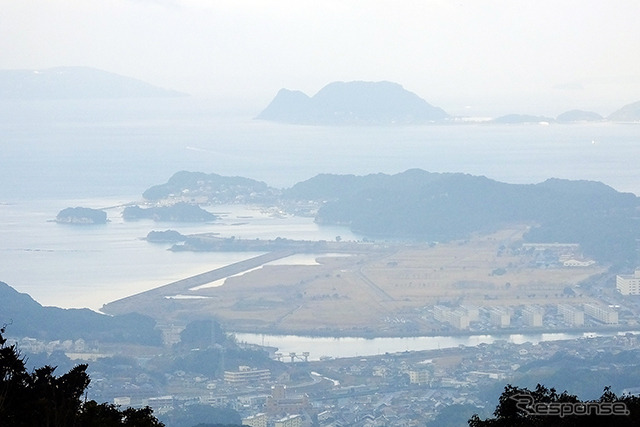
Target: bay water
x,y
102,154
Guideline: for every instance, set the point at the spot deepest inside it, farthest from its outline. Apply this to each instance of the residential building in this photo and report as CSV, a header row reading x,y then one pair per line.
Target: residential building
x,y
472,312
628,284
578,262
500,317
258,420
289,421
280,402
533,315
245,375
419,376
457,318
571,315
601,313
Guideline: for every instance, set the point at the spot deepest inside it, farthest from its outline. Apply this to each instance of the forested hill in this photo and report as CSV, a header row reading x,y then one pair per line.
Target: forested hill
x,y
211,187
439,207
26,317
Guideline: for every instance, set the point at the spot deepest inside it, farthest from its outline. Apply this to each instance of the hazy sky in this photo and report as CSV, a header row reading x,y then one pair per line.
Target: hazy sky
x,y
480,56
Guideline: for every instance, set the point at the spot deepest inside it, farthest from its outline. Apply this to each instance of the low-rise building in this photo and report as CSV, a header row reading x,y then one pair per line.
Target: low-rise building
x,y
122,401
245,375
419,376
578,262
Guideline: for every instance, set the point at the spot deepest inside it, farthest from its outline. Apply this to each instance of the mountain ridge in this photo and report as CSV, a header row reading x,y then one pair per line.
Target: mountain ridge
x,y
355,102
29,318
75,83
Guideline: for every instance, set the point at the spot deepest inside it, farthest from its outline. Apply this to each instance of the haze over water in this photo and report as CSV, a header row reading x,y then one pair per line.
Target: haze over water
x,y
101,154
53,149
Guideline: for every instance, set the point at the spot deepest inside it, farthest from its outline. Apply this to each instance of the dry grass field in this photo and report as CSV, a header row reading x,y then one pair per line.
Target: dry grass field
x,y
379,292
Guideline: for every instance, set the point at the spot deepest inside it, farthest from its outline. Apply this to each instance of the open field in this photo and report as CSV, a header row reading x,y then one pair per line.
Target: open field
x,y
384,291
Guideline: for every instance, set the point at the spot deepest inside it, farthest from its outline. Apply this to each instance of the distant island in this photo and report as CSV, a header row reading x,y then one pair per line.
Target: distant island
x,y
579,116
179,212
357,102
81,216
388,103
75,83
167,236
628,113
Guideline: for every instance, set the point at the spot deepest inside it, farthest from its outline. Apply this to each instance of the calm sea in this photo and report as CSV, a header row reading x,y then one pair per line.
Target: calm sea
x,y
102,154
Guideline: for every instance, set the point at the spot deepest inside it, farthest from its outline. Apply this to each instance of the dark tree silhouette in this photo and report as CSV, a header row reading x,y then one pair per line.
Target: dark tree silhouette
x,y
42,399
520,407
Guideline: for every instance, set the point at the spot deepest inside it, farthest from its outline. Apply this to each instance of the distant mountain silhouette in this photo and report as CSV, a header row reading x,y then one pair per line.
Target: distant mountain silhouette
x,y
357,102
575,116
628,113
75,83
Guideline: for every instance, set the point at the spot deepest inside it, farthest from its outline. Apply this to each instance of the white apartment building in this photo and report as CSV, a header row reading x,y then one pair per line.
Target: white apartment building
x,y
289,421
258,420
628,284
457,318
500,317
420,376
533,315
571,315
601,313
245,374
